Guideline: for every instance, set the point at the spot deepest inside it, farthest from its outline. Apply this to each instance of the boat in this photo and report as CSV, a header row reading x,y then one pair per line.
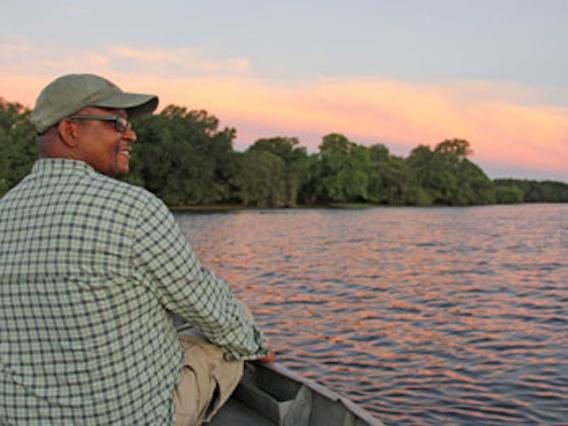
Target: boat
x,y
269,394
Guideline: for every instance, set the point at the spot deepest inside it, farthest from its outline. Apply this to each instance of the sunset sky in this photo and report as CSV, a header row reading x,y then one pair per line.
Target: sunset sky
x,y
401,73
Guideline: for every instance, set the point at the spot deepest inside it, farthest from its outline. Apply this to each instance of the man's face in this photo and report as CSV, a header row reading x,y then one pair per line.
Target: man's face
x,y
101,145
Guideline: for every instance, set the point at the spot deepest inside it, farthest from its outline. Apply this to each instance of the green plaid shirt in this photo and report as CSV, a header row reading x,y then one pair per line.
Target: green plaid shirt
x,y
90,270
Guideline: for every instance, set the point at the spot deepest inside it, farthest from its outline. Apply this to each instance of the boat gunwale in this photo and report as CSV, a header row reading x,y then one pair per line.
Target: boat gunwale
x,y
351,406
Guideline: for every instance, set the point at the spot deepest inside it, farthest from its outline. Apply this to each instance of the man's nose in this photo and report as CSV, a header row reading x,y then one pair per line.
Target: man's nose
x,y
129,135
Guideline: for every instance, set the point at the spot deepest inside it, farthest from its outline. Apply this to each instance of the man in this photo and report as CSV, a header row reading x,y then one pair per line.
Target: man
x,y
91,271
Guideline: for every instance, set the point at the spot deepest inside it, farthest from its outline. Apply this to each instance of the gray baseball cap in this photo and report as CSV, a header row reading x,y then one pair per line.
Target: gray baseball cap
x,y
71,93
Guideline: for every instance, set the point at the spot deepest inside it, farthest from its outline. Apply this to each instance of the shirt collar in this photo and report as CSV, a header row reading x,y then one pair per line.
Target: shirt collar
x,y
58,165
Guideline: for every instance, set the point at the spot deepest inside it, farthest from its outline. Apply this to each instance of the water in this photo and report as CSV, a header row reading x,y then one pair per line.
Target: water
x,y
423,316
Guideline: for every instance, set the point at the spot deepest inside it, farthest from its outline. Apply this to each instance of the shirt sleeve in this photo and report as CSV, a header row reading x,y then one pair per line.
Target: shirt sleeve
x,y
183,286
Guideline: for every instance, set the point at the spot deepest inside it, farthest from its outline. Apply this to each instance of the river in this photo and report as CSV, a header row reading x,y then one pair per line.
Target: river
x,y
424,316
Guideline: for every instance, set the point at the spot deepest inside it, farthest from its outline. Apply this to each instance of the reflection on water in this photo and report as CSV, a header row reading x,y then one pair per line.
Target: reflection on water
x,y
423,316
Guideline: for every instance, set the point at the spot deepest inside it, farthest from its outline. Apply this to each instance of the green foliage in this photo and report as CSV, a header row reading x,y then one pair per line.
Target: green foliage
x,y
459,149
3,186
17,144
187,159
295,166
183,157
261,179
448,177
537,192
508,195
378,174
344,170
398,185
311,172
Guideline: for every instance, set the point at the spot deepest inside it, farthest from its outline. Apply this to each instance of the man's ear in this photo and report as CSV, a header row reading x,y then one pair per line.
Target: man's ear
x,y
68,132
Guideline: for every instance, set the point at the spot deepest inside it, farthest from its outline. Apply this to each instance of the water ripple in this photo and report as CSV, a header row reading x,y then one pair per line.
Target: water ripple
x,y
423,316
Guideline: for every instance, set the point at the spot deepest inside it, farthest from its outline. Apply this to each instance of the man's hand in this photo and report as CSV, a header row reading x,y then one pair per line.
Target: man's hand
x,y
270,357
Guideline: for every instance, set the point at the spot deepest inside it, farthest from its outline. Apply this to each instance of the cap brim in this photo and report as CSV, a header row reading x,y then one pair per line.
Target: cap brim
x,y
134,103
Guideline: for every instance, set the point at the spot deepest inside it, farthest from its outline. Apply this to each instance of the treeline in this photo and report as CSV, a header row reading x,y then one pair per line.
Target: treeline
x,y
186,159
17,144
535,191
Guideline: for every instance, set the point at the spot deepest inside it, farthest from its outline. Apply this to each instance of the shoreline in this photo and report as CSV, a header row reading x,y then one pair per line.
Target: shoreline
x,y
220,208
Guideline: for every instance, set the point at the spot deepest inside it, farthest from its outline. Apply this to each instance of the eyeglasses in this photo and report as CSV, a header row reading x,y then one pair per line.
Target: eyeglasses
x,y
120,123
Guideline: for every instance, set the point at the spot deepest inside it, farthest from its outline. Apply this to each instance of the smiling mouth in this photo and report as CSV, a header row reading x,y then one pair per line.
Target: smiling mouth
x,y
125,152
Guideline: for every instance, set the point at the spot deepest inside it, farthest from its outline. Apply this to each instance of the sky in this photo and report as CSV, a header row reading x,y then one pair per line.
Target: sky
x,y
402,73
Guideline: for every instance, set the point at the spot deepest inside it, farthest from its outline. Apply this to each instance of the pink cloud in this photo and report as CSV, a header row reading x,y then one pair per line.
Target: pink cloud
x,y
501,132
180,59
502,121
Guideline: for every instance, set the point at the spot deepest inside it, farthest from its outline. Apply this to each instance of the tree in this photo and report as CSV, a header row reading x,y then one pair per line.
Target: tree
x,y
458,148
17,144
344,170
508,195
187,159
295,164
448,177
260,179
474,186
537,192
377,190
183,157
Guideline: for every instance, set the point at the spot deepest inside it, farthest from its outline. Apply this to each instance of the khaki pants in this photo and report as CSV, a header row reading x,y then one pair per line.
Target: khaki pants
x,y
207,381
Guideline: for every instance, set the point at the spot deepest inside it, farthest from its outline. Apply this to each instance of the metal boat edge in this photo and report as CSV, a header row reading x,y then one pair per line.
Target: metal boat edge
x,y
286,398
